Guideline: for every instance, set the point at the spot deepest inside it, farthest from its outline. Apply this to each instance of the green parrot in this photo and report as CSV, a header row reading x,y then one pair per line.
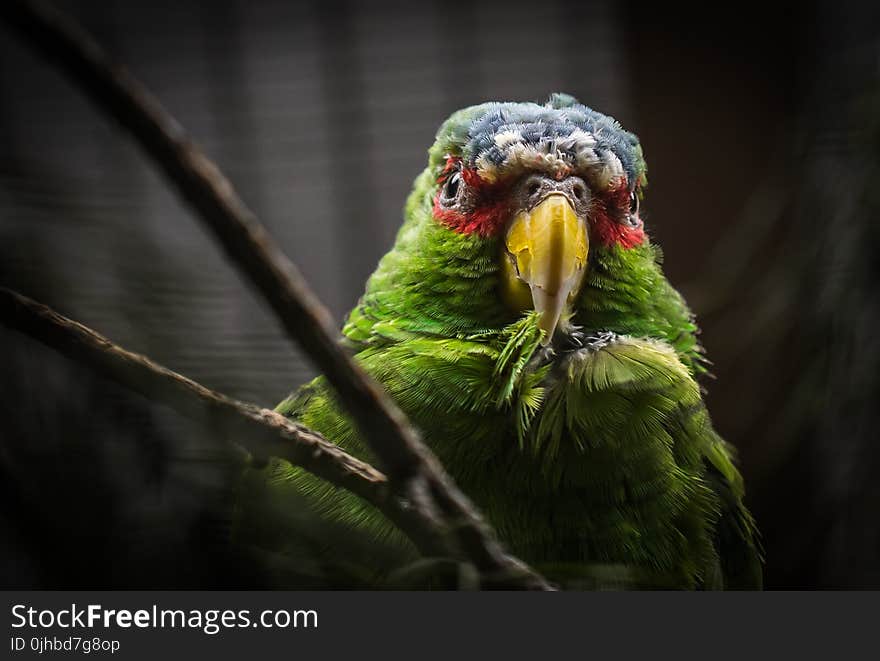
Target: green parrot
x,y
523,323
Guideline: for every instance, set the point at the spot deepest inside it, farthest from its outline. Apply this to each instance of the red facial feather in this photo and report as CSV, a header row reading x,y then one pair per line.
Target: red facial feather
x,y
485,220
492,210
605,227
450,167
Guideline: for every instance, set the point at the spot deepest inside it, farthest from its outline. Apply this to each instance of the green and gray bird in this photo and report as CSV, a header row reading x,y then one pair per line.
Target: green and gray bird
x,y
523,323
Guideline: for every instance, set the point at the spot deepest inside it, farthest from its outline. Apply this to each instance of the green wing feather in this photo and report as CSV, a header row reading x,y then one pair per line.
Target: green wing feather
x,y
603,459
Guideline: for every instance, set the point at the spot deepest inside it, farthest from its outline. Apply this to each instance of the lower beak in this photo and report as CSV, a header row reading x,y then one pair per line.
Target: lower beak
x,y
547,251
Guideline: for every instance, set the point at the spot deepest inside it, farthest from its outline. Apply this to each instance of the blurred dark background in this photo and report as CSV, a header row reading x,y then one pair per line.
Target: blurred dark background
x,y
761,127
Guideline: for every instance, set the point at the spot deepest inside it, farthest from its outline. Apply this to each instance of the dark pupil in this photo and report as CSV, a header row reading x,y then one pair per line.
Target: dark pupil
x,y
452,186
633,202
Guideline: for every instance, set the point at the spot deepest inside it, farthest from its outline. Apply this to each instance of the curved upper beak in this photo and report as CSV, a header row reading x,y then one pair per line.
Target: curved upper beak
x,y
547,249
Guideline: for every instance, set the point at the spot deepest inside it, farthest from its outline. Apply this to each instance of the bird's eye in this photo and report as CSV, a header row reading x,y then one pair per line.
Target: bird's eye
x,y
632,217
451,189
633,203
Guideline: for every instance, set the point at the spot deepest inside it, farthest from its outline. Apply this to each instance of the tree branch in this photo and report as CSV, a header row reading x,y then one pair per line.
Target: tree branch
x,y
260,431
448,520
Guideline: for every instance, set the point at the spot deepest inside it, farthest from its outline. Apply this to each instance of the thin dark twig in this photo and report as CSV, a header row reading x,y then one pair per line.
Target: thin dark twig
x,y
260,431
450,523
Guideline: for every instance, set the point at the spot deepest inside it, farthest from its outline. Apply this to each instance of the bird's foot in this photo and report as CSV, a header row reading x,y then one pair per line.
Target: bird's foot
x,y
576,339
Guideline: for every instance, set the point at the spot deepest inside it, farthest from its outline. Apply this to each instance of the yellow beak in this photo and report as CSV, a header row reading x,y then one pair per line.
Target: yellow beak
x,y
547,251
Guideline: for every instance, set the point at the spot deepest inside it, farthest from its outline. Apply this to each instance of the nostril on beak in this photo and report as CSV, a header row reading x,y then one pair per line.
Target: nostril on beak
x,y
533,186
536,187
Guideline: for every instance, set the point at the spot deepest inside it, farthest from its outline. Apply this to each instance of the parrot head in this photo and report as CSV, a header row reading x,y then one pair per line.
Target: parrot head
x,y
548,184
526,211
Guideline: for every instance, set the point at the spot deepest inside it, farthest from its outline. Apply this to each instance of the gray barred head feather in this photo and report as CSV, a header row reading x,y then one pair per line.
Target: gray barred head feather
x,y
563,136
